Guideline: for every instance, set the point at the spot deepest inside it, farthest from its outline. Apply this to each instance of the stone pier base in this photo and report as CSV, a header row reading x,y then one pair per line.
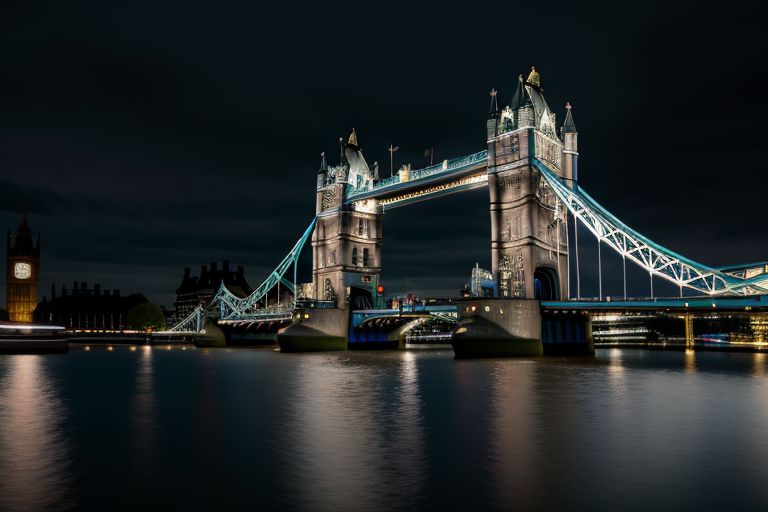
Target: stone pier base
x,y
491,327
315,330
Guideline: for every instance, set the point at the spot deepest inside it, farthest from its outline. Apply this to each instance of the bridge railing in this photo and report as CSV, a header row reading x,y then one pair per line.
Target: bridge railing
x,y
433,170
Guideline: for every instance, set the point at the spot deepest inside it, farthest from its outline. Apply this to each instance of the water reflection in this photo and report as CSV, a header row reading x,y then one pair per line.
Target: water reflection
x,y
760,360
408,451
34,449
144,404
690,360
355,435
513,427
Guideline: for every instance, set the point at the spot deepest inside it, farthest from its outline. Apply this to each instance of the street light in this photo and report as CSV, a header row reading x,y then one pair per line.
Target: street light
x,y
392,150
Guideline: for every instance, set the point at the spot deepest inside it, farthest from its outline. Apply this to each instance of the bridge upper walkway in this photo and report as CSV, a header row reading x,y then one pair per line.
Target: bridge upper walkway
x,y
454,175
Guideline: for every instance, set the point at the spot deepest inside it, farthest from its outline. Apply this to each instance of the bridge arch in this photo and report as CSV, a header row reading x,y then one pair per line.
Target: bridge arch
x,y
545,284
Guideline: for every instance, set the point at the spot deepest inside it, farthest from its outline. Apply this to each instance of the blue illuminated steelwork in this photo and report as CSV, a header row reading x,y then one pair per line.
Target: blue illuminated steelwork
x,y
194,322
232,306
654,258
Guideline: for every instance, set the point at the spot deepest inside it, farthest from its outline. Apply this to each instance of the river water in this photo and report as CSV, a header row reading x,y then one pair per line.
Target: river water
x,y
195,429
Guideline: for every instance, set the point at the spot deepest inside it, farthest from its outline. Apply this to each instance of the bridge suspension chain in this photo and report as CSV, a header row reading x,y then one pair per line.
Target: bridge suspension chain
x,y
231,306
193,322
655,259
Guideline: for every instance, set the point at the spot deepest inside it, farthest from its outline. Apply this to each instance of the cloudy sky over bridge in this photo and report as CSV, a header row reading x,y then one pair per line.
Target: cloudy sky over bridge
x,y
145,136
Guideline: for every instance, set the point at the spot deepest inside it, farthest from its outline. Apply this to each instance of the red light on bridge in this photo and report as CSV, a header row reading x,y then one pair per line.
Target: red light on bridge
x,y
380,290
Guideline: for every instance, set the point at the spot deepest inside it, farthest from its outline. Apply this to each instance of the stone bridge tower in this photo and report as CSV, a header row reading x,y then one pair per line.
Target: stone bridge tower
x,y
346,242
529,247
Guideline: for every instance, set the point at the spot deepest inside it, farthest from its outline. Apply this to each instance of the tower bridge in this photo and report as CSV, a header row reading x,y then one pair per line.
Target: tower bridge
x,y
530,168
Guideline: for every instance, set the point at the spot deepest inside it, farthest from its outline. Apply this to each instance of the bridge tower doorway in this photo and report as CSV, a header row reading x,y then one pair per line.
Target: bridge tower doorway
x,y
545,285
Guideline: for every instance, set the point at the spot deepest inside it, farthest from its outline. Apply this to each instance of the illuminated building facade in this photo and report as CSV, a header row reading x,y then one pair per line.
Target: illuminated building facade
x,y
529,244
346,242
22,273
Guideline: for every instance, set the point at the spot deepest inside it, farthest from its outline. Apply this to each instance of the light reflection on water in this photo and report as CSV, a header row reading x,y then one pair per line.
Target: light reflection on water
x,y
35,452
144,407
215,429
355,424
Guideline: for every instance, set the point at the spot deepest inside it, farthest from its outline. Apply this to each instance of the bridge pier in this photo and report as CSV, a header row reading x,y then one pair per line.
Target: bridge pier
x,y
519,327
498,327
315,330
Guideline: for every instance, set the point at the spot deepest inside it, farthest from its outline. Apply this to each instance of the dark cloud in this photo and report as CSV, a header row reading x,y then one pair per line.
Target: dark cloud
x,y
150,136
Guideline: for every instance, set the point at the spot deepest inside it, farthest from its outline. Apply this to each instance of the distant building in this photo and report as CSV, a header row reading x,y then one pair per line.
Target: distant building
x,y
195,290
483,283
22,273
86,308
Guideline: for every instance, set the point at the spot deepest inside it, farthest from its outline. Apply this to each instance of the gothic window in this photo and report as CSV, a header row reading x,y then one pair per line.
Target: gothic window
x,y
330,294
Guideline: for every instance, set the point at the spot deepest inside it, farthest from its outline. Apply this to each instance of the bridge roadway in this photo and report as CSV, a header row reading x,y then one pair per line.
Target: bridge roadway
x,y
682,304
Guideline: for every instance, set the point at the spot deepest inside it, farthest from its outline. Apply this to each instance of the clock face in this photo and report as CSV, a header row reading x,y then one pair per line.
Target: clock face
x,y
22,270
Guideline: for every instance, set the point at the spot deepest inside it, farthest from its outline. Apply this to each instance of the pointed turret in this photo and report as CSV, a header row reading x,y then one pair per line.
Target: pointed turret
x,y
353,139
568,126
322,174
526,115
520,98
570,147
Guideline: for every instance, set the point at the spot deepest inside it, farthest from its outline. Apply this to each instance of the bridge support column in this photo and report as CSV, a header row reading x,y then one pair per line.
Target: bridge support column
x,y
529,247
346,255
315,330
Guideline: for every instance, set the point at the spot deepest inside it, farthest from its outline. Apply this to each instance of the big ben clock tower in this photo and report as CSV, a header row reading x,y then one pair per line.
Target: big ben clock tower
x,y
23,273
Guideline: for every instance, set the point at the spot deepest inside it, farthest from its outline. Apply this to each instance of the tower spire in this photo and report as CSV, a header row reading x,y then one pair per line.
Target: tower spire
x,y
568,125
520,98
353,139
534,79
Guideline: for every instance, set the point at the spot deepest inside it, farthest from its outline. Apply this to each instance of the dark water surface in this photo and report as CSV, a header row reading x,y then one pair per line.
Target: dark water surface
x,y
255,429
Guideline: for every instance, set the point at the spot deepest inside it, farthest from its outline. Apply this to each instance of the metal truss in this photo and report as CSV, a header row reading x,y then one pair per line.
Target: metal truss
x,y
655,259
194,322
231,306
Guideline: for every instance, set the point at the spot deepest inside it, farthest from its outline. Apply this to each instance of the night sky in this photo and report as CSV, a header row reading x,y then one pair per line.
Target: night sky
x,y
149,136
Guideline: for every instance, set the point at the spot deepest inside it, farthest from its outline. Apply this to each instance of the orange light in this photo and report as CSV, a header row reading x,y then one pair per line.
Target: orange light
x,y
380,289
